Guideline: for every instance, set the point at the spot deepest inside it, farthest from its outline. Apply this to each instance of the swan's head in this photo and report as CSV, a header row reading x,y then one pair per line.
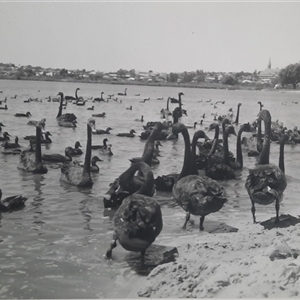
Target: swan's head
x,y
77,145
60,94
230,130
2,125
178,127
92,122
240,104
105,140
95,159
47,133
181,94
212,126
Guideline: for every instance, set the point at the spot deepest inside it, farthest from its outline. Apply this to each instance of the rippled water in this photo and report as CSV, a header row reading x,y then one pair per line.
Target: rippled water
x,y
54,246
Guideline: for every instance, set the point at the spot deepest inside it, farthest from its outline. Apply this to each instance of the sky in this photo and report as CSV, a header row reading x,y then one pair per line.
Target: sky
x,y
158,36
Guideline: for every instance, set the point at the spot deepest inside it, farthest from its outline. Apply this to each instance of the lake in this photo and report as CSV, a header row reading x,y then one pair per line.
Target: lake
x,y
54,247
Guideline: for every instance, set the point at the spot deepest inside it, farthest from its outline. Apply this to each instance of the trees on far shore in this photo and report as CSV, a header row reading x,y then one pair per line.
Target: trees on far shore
x,y
290,75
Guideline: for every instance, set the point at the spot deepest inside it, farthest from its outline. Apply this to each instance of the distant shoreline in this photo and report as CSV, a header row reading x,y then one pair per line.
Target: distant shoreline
x,y
201,85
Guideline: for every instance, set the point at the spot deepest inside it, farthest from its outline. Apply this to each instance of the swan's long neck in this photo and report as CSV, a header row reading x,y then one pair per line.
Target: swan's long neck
x,y
88,153
237,115
225,146
259,143
215,142
180,103
188,160
38,151
168,103
239,154
149,146
76,95
60,106
265,152
281,156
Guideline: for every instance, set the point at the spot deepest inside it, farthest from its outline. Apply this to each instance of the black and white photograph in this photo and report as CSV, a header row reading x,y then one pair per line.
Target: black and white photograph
x,y
149,149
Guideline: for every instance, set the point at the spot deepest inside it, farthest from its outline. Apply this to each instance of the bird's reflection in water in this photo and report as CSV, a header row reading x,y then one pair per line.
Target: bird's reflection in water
x,y
85,210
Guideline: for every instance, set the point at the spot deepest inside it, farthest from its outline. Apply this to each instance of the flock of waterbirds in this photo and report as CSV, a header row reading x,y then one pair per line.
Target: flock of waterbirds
x,y
197,188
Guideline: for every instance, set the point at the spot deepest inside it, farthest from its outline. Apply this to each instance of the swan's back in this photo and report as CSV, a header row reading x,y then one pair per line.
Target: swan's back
x,y
199,195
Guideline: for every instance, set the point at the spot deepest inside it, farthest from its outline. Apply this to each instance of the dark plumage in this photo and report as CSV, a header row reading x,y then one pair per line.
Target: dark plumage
x,y
11,203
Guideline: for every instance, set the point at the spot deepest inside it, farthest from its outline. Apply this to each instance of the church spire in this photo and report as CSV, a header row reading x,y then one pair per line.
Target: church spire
x,y
269,65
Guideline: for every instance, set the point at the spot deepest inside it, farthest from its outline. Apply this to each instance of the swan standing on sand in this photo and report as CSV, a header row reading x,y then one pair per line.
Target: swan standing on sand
x,y
198,195
138,221
73,173
267,182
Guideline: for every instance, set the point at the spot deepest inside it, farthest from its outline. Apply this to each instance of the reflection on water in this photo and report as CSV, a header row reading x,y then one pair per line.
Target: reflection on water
x,y
54,247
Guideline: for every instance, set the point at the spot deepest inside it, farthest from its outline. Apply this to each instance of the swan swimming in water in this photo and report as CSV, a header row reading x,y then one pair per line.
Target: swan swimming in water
x,y
11,203
72,172
31,161
74,151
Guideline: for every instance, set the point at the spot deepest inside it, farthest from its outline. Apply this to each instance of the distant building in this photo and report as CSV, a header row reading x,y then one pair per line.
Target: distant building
x,y
268,74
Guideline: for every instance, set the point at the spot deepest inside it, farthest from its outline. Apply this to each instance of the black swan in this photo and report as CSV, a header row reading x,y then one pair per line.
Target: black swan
x,y
31,161
101,131
99,99
267,182
28,114
123,94
197,195
103,146
11,203
76,150
71,97
65,120
72,172
127,134
138,221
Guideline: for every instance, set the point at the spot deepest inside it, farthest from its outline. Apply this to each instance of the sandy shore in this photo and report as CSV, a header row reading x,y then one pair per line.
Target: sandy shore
x,y
251,263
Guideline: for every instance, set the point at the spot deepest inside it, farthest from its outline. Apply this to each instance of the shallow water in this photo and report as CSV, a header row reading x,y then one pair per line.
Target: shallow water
x,y
54,246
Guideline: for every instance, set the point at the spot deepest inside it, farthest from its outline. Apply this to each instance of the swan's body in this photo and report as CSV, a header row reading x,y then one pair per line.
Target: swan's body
x,y
138,221
73,173
267,182
127,134
28,114
101,131
76,150
102,115
11,203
